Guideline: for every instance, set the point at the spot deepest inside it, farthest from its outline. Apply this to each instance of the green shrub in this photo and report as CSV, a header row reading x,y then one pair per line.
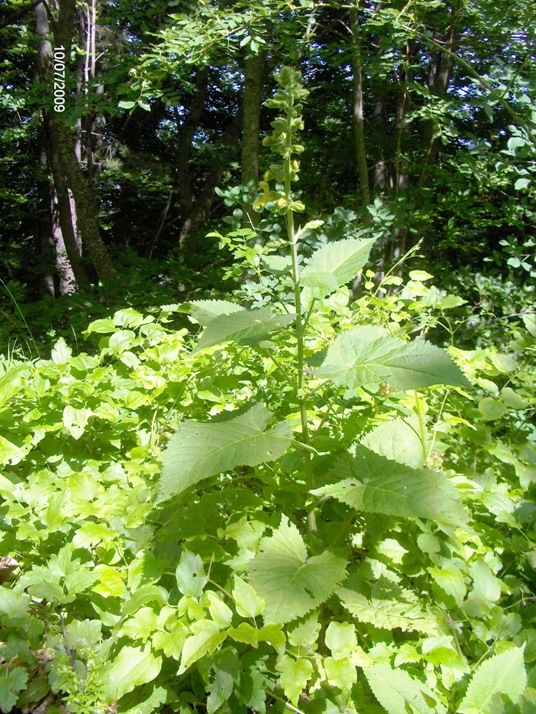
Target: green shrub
x,y
296,509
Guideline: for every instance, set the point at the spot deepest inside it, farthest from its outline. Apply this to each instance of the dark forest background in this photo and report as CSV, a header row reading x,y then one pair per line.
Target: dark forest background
x,y
420,127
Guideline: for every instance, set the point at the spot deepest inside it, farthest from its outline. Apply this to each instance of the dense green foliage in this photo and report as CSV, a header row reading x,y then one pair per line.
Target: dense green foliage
x,y
297,504
267,432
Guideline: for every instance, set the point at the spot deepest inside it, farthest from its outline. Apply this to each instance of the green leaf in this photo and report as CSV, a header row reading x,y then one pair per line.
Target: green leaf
x,y
529,320
304,632
277,263
12,682
245,633
199,450
8,450
219,611
102,326
206,637
151,704
399,693
491,409
320,284
61,352
374,484
513,399
225,666
485,585
248,603
420,275
450,579
145,569
398,441
75,420
205,311
243,326
131,668
13,606
83,633
341,639
131,318
252,689
190,574
110,581
333,265
145,594
389,606
294,676
503,674
11,381
340,673
521,183
291,583
366,356
171,640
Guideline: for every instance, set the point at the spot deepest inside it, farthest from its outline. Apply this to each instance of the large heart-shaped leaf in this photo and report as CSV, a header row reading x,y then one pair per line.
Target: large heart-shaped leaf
x,y
375,484
132,667
502,674
198,450
205,311
244,326
366,356
291,583
388,606
334,265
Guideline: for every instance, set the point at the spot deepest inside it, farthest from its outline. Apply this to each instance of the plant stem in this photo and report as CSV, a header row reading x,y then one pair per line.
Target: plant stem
x,y
300,326
287,705
422,430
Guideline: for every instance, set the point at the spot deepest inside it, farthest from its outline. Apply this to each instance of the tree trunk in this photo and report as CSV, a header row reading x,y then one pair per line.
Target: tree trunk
x,y
62,222
85,202
69,180
439,74
205,198
186,132
401,176
44,227
358,118
251,108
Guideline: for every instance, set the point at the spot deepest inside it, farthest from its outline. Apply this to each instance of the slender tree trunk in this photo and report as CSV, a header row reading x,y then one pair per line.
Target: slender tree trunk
x,y
85,202
186,132
358,111
44,226
68,176
439,74
251,104
92,126
205,198
62,220
401,177
379,171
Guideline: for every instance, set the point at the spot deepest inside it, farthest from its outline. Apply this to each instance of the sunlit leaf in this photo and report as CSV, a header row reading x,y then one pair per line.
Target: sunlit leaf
x,y
198,450
291,583
367,356
374,484
132,667
333,265
244,326
502,674
400,693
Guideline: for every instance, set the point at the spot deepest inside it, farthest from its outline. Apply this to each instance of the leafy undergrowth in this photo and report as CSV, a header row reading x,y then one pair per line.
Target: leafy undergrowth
x,y
303,507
